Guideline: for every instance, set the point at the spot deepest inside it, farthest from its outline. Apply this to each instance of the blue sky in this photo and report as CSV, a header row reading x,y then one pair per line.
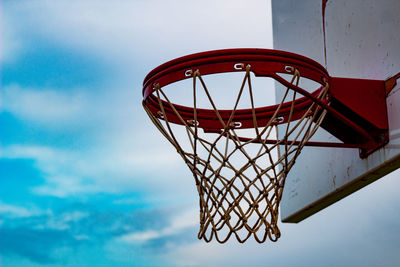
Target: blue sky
x,y
85,178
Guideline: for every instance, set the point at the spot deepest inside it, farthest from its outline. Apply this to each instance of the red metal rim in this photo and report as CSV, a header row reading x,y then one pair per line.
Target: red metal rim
x,y
264,62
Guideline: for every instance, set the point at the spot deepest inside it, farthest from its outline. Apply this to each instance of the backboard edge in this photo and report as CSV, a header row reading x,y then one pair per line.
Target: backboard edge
x,y
344,191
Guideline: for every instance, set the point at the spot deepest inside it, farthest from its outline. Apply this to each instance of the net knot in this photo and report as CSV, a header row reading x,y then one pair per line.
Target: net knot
x,y
254,205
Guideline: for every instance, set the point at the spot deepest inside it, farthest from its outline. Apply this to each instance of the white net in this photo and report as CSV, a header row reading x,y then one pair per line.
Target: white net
x,y
239,173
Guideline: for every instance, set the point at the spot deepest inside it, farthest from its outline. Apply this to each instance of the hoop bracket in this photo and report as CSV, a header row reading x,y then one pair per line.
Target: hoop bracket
x,y
363,102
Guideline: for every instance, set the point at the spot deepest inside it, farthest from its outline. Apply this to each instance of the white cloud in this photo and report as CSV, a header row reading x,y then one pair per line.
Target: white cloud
x,y
176,225
64,186
74,216
11,44
64,220
82,237
37,152
149,30
75,109
56,165
107,168
61,221
14,211
141,236
44,105
117,151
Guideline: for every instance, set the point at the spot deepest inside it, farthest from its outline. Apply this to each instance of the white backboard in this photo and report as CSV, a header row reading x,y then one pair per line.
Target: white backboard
x,y
362,41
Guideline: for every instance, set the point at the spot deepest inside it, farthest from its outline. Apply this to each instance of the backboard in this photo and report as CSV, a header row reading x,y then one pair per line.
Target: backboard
x,y
353,39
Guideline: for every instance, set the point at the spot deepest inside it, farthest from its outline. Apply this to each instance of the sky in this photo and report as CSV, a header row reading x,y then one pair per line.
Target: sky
x,y
86,179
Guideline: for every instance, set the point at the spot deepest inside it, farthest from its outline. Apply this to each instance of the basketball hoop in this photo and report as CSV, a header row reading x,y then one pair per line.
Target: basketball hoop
x,y
241,198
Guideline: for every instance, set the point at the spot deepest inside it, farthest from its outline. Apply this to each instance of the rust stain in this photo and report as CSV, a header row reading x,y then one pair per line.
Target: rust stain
x,y
391,83
324,2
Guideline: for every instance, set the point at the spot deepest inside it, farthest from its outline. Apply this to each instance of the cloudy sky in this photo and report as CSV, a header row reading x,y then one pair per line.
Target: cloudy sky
x,y
86,179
